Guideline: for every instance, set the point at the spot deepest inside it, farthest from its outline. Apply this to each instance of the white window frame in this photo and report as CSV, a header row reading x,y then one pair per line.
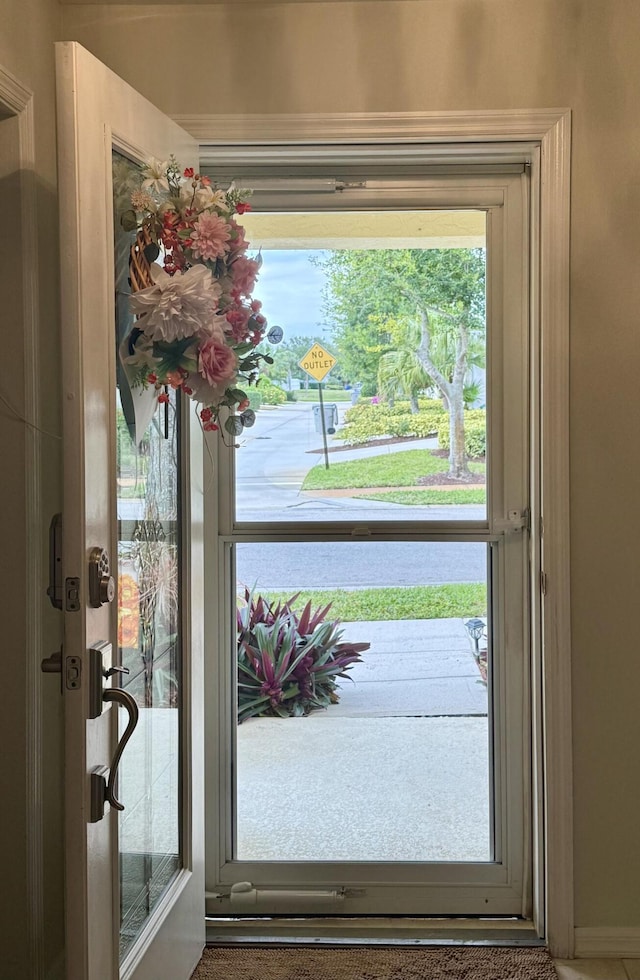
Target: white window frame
x,y
476,135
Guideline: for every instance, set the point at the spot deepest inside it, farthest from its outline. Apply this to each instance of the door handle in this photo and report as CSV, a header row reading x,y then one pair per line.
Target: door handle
x,y
103,788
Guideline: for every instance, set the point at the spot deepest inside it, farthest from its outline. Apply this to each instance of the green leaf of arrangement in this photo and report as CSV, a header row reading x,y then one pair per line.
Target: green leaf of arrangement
x,y
129,220
237,394
247,364
233,426
151,251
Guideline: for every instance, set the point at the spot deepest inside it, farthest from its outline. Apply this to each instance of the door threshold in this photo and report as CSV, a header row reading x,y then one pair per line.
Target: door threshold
x,y
389,931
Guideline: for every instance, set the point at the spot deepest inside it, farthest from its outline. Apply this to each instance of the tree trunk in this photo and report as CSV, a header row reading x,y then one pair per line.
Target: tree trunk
x,y
458,468
413,401
452,393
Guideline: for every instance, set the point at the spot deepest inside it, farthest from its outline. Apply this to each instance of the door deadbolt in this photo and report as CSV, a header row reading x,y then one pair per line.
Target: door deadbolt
x,y
102,586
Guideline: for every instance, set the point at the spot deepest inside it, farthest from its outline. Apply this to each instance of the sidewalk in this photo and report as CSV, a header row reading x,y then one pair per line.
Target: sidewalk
x,y
415,668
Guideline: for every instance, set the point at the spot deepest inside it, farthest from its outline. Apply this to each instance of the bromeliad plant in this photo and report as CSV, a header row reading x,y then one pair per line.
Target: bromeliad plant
x,y
289,663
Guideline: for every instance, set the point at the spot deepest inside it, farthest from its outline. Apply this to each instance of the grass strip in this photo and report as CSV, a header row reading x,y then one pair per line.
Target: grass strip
x,y
418,498
461,600
400,469
329,396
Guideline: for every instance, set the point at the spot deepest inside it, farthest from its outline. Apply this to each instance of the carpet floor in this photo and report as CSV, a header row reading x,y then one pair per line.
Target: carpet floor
x,y
375,963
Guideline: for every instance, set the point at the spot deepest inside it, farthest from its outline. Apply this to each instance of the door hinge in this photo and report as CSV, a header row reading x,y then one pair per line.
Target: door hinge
x,y
543,582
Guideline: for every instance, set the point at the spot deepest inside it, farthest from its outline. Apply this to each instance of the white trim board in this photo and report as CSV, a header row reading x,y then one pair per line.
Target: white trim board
x,y
374,127
18,101
550,130
605,943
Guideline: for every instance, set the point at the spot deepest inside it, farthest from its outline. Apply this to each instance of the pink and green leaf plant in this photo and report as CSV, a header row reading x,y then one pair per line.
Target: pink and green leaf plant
x,y
289,663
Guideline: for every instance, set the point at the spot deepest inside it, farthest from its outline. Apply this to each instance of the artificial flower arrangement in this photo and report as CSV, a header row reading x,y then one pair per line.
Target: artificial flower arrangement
x,y
197,327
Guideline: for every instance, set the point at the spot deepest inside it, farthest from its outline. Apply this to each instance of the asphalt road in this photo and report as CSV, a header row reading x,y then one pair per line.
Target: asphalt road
x,y
270,467
359,564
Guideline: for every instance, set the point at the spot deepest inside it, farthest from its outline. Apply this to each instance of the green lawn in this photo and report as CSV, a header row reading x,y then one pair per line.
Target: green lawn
x,y
328,396
401,469
386,604
418,498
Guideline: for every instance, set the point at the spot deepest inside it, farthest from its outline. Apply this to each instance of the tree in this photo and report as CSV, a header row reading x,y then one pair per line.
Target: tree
x,y
440,291
400,371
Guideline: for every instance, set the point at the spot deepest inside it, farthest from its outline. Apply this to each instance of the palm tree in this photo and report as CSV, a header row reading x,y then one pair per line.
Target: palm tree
x,y
401,371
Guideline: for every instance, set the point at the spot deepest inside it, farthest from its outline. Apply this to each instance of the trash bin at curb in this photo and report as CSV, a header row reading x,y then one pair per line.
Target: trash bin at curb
x,y
330,417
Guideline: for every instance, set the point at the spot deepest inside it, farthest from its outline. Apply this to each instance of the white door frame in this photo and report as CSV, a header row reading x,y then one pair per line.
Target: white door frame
x,y
17,100
550,130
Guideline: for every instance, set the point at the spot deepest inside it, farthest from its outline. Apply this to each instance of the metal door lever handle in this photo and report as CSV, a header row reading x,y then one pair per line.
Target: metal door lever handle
x,y
102,788
125,699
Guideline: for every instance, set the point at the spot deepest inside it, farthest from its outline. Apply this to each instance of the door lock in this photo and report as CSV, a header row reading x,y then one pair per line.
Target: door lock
x,y
70,671
102,586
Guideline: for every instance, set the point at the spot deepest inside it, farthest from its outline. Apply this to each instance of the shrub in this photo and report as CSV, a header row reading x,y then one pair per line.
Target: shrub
x,y
255,398
271,394
288,663
290,396
475,433
367,421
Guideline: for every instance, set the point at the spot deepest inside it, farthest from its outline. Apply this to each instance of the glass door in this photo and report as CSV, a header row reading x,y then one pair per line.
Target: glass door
x,y
372,548
132,560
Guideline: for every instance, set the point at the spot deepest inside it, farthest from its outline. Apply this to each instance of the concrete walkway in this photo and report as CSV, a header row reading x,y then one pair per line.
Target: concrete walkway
x,y
414,668
397,771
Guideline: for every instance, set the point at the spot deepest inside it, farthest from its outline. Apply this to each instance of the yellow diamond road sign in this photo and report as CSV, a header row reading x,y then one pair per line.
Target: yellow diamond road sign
x,y
317,362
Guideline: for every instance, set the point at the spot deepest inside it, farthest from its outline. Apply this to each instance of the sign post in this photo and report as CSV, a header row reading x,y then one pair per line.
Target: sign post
x,y
317,363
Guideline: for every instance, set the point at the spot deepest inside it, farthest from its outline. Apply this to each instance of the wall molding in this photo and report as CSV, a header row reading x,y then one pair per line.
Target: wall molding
x,y
550,130
17,99
373,127
604,942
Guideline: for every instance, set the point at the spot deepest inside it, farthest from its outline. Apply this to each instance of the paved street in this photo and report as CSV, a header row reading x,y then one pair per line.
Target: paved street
x,y
359,564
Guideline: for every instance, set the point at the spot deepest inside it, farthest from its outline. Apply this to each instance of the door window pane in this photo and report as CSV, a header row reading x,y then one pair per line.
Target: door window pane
x,y
148,510
364,728
374,406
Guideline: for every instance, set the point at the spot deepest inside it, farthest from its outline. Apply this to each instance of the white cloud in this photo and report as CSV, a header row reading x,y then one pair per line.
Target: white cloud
x,y
290,289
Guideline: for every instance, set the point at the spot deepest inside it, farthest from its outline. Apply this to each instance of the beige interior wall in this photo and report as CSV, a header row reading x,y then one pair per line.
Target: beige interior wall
x,y
464,54
26,51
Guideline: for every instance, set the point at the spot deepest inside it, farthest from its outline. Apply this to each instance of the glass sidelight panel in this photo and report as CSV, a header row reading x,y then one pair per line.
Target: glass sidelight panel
x,y
374,406
364,718
148,511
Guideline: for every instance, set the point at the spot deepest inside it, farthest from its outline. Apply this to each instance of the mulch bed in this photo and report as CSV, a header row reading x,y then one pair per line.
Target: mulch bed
x,y
442,479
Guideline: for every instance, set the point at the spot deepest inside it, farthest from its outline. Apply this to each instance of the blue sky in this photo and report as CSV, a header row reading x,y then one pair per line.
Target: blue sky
x,y
290,290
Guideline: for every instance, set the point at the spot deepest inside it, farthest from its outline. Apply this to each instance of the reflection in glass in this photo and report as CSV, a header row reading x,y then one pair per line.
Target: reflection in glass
x,y
148,510
395,763
395,430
